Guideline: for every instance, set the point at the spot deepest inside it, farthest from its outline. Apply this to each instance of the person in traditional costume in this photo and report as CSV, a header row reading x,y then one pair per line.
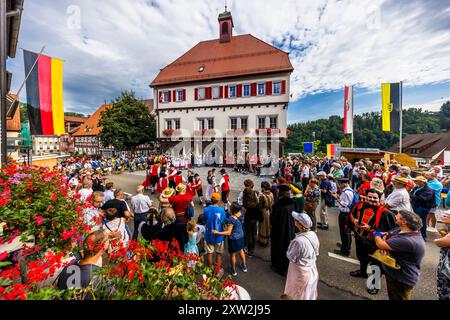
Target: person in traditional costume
x,y
302,277
283,230
266,202
366,218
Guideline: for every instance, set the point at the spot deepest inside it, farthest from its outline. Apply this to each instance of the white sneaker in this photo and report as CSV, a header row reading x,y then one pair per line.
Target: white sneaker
x,y
433,230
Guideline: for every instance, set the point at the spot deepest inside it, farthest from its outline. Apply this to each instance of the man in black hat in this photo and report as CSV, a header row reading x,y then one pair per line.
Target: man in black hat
x,y
283,229
346,201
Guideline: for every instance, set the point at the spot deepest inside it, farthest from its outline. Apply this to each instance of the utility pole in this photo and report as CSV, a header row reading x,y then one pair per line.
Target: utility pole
x,y
3,80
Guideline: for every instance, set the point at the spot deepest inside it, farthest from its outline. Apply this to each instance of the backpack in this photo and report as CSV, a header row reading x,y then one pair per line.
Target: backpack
x,y
355,200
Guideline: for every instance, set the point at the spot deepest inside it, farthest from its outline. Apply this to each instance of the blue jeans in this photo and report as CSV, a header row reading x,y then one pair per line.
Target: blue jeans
x,y
138,218
422,213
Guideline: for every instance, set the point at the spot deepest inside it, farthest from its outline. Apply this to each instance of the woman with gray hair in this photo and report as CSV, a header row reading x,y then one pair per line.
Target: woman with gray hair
x,y
302,277
406,245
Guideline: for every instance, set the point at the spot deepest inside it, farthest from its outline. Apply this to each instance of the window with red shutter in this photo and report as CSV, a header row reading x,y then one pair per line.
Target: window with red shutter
x,y
196,94
269,88
254,90
239,90
283,87
226,92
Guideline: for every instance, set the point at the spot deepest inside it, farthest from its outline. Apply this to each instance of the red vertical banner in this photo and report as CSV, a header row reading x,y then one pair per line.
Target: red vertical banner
x,y
348,110
45,94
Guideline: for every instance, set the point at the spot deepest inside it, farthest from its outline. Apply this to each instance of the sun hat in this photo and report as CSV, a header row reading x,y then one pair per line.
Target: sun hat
x,y
167,193
303,219
420,178
377,184
181,187
401,180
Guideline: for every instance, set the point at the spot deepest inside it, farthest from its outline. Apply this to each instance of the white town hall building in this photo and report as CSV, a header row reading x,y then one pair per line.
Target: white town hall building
x,y
221,86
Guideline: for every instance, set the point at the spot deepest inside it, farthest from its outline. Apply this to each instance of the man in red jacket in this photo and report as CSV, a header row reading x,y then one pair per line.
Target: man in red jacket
x,y
180,203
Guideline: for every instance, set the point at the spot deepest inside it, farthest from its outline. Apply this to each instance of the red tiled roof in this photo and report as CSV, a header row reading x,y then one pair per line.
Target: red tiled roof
x,y
90,127
243,55
74,119
149,104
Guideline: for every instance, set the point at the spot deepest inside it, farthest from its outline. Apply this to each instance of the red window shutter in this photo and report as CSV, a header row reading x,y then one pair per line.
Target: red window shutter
x,y
184,94
269,88
174,95
161,97
221,92
226,92
209,93
254,90
196,94
283,87
239,90
170,97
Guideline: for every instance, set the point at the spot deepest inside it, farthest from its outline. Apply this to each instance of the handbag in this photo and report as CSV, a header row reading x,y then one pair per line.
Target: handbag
x,y
190,213
445,266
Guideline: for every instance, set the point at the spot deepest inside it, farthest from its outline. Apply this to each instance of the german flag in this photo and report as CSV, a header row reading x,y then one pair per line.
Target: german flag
x,y
391,96
44,94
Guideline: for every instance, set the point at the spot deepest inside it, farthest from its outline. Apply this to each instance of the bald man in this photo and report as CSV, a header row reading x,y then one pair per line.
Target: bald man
x,y
141,205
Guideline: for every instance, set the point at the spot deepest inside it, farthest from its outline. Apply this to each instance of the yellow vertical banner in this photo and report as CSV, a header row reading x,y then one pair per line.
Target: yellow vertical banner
x,y
57,97
386,106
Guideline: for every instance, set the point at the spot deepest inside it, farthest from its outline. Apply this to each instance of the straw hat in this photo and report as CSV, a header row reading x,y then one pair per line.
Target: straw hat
x,y
181,187
401,180
167,193
420,178
387,260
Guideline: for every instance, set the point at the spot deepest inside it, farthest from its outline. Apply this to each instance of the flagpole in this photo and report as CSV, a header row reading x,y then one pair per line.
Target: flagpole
x,y
353,118
401,116
31,70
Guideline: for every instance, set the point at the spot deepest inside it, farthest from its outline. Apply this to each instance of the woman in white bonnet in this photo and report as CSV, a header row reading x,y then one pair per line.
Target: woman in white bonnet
x,y
302,277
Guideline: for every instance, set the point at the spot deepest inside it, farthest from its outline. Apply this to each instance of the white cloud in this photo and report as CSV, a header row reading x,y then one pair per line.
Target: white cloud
x,y
123,44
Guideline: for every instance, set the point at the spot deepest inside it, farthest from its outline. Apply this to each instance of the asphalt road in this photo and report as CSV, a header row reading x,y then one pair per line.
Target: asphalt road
x,y
335,282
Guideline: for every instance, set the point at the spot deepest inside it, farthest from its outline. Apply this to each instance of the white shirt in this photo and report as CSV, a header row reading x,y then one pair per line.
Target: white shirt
x,y
118,225
85,193
109,195
305,172
399,200
73,182
346,199
141,203
304,249
91,216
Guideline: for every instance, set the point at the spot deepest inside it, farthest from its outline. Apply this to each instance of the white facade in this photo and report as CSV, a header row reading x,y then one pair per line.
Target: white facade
x,y
255,112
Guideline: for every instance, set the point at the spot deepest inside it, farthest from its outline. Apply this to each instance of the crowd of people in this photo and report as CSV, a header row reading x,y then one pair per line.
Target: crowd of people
x,y
387,212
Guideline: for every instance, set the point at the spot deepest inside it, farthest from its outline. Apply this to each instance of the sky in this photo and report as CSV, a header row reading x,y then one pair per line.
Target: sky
x,y
110,46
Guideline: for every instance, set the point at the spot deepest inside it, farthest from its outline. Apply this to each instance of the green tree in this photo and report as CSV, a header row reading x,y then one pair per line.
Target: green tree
x,y
127,124
23,112
74,114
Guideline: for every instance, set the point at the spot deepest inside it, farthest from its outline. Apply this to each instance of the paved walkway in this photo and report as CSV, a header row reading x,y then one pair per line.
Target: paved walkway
x,y
335,281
